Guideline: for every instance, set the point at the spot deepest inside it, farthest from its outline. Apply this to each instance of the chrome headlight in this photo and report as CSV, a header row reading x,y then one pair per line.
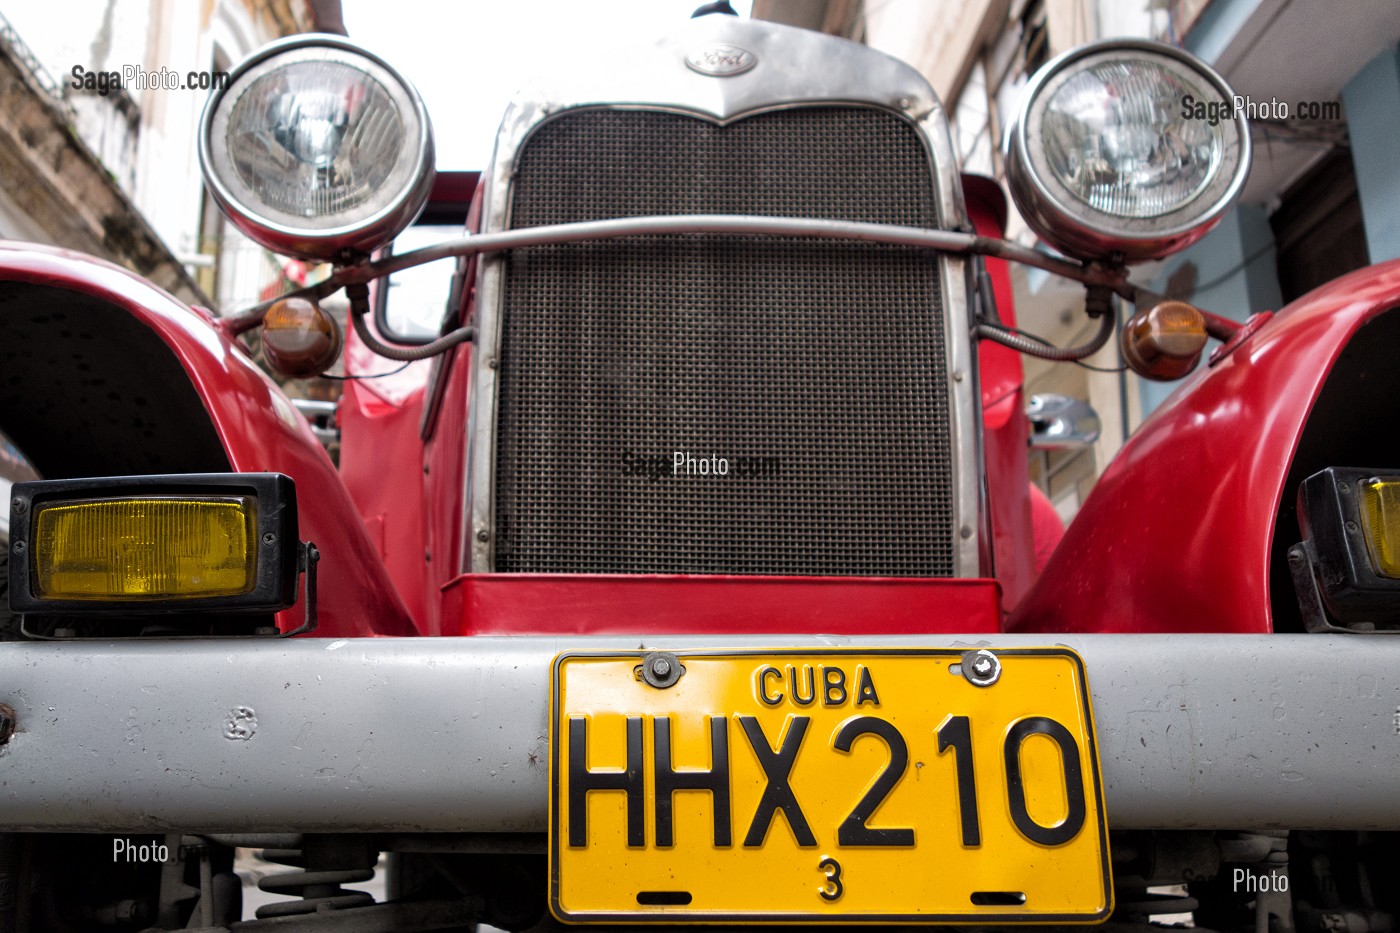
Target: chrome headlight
x,y
1111,154
317,149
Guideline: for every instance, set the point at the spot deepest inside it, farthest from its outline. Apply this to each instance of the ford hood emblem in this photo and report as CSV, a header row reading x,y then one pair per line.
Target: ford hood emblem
x,y
721,61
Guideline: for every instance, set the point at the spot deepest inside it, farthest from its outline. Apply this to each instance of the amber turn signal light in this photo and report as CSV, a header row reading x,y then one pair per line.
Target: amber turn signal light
x,y
299,338
1165,341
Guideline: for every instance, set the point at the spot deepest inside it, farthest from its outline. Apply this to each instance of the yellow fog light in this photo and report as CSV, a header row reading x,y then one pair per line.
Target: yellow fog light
x,y
1346,570
176,543
146,548
1380,518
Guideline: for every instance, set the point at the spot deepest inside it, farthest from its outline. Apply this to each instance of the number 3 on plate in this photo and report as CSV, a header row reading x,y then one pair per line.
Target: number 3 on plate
x,y
833,888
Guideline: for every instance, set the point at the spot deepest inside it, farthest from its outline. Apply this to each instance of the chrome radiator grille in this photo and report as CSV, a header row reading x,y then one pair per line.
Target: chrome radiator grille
x,y
817,366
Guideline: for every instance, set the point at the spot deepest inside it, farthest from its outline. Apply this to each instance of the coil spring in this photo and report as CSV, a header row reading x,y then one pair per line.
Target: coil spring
x,y
319,890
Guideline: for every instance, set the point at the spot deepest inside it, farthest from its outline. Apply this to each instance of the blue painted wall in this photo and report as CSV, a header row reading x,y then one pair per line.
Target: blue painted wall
x,y
1372,101
1231,272
1234,267
1217,26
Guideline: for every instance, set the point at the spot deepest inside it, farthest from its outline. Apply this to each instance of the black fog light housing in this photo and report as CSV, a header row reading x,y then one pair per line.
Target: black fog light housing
x,y
154,544
1347,567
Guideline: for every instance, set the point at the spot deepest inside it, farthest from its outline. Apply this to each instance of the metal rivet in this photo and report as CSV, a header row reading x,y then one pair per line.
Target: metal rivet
x,y
483,535
17,547
981,668
965,531
957,375
491,363
661,669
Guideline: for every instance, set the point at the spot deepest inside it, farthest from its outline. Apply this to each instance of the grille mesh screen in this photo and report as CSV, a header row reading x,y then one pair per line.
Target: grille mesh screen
x,y
815,366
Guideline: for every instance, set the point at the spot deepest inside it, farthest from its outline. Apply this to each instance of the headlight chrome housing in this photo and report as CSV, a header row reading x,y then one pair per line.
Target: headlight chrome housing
x,y
317,149
1108,157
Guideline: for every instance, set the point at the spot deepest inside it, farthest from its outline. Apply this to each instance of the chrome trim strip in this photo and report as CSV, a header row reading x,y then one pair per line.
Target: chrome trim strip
x,y
969,521
450,734
850,75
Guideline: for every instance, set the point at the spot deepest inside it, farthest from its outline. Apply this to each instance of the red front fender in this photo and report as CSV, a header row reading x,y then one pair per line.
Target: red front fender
x,y
1176,536
253,420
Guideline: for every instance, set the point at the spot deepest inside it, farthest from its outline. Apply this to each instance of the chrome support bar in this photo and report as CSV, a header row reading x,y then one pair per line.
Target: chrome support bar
x,y
947,241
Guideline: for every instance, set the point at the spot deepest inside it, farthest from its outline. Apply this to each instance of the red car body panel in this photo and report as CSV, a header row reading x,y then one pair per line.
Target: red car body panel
x,y
719,604
258,426
384,477
409,488
1176,534
1006,433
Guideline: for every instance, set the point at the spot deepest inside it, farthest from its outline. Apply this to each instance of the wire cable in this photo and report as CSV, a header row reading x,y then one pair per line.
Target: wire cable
x,y
393,372
358,293
1042,349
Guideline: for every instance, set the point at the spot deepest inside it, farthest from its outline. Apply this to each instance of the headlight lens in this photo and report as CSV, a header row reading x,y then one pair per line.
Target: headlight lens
x,y
315,140
1110,155
1114,137
316,149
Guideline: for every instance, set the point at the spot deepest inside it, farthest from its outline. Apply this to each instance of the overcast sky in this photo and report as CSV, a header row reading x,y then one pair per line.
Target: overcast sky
x,y
468,57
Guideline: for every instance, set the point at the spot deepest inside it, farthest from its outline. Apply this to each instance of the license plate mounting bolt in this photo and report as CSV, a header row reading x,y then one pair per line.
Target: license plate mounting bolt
x,y
661,669
981,668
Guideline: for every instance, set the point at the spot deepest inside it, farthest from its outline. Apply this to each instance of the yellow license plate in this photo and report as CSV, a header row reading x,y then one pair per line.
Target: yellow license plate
x,y
877,785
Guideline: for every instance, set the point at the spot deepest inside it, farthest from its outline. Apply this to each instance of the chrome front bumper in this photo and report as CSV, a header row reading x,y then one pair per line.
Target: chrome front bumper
x,y
449,734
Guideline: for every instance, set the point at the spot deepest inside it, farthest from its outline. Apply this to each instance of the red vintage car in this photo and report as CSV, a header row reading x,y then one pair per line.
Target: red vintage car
x,y
683,573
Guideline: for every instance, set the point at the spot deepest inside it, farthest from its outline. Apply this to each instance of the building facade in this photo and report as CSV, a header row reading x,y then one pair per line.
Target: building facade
x,y
103,100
